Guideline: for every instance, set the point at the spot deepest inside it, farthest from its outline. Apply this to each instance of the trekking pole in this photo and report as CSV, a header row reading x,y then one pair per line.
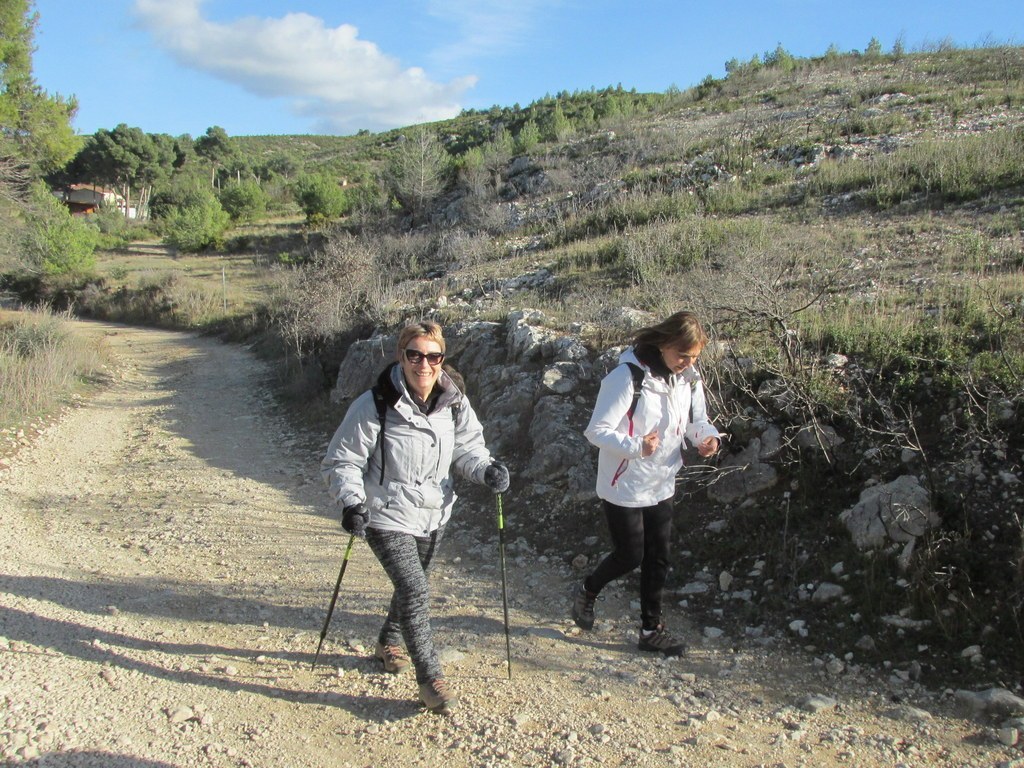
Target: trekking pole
x,y
334,598
504,588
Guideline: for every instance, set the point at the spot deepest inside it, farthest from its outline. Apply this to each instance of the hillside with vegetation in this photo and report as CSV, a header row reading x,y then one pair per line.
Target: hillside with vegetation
x,y
851,226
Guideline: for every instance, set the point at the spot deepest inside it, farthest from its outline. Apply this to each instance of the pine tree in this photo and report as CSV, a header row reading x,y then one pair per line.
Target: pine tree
x,y
35,129
418,170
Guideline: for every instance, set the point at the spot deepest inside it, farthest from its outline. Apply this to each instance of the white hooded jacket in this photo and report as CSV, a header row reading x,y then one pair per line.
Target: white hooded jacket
x,y
675,408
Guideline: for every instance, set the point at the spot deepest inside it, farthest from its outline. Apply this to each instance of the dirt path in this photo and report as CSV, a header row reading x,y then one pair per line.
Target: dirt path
x,y
166,559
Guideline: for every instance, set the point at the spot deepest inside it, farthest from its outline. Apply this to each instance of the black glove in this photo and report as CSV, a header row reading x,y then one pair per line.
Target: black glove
x,y
496,477
354,519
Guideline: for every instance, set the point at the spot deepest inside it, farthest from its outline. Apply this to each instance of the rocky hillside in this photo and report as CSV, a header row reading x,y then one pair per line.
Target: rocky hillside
x,y
852,231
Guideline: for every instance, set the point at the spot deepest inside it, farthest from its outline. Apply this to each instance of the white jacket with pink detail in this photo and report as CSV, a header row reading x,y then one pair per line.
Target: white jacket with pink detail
x,y
676,408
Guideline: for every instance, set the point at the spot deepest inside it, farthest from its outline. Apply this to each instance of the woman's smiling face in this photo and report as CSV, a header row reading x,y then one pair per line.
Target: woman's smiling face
x,y
420,376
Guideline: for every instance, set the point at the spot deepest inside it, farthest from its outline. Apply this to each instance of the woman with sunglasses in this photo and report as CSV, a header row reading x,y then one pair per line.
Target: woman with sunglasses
x,y
639,433
390,466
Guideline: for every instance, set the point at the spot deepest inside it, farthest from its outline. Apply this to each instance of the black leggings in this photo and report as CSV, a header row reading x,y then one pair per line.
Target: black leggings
x,y
641,536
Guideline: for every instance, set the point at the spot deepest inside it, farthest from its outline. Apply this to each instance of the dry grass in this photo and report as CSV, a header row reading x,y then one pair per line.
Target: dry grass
x,y
237,280
42,363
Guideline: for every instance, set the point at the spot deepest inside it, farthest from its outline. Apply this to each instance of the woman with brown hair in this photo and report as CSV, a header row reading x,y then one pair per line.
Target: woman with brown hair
x,y
647,406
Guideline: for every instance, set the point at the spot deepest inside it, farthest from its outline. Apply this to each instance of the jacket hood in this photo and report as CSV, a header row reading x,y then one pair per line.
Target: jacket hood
x,y
386,385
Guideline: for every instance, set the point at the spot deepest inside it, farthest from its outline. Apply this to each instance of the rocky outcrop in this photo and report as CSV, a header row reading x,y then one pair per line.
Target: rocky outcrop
x,y
899,511
743,474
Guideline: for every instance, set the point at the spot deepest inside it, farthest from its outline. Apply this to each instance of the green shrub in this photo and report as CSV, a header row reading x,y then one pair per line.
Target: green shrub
x,y
244,201
707,87
198,226
367,200
179,194
528,137
115,230
320,198
54,242
555,126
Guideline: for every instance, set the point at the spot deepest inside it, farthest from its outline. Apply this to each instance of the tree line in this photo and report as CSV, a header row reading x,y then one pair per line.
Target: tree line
x,y
190,191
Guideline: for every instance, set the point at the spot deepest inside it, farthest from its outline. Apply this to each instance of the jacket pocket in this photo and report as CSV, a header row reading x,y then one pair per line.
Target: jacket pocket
x,y
427,496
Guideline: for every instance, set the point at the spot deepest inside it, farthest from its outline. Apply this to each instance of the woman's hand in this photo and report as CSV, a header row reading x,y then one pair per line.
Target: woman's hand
x,y
496,477
354,519
709,447
651,441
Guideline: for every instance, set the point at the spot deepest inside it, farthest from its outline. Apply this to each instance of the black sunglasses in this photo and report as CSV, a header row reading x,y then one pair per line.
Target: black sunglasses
x,y
416,357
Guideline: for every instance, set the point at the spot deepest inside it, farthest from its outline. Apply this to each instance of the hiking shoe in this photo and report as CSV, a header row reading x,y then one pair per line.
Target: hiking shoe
x,y
583,608
392,656
437,696
660,641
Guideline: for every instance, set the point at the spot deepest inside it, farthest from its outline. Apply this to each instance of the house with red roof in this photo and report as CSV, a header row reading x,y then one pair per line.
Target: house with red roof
x,y
83,199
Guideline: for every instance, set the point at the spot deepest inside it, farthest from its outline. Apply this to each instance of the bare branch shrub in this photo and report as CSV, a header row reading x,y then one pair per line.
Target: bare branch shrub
x,y
405,256
15,181
345,285
479,207
462,250
762,280
754,292
666,247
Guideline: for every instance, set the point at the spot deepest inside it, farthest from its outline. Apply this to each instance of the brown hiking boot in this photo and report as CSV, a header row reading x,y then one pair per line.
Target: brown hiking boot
x,y
583,608
660,641
393,657
437,696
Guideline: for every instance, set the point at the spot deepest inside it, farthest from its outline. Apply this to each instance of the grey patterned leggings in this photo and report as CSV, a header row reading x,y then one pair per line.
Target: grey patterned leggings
x,y
406,560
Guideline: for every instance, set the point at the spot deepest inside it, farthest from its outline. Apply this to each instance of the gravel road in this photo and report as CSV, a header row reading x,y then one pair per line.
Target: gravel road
x,y
167,554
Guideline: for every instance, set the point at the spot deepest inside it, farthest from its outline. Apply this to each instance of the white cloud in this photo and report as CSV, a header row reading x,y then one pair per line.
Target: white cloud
x,y
328,74
488,27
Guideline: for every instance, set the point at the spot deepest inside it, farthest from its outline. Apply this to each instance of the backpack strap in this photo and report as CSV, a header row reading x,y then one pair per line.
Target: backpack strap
x,y
637,374
381,404
638,382
384,396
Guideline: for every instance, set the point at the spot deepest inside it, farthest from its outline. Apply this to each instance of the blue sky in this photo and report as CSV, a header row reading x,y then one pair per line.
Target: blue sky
x,y
328,66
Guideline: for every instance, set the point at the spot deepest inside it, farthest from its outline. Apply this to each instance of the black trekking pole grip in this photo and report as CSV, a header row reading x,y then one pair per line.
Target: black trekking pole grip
x,y
334,598
504,586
